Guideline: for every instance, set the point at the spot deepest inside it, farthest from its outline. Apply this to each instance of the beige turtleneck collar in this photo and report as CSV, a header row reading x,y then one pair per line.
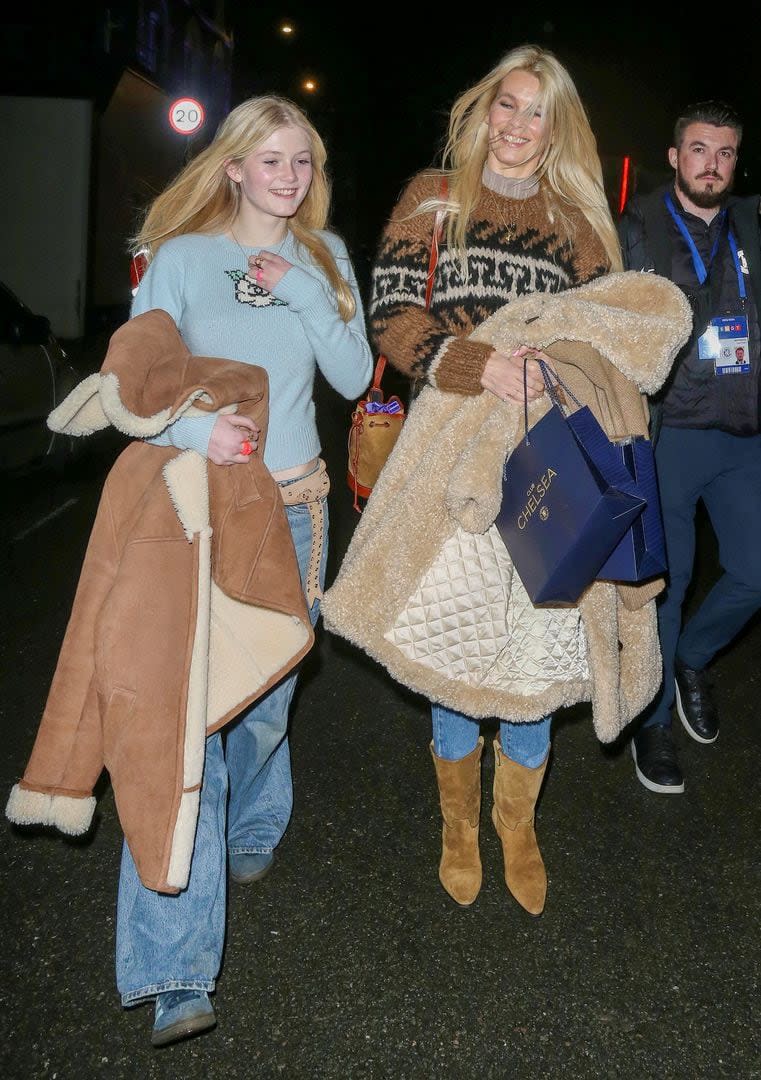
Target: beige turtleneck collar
x,y
509,187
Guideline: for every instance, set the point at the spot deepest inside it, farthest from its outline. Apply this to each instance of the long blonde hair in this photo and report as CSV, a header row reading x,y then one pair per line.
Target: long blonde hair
x,y
570,161
203,199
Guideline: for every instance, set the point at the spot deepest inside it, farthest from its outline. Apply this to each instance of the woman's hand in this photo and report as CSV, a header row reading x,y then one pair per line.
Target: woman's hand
x,y
233,439
503,375
267,268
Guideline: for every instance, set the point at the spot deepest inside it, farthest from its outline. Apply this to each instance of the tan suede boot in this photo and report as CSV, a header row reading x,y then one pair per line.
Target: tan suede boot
x,y
516,790
460,797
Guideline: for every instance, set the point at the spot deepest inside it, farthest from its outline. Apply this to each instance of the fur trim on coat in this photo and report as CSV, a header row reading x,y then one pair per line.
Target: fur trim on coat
x,y
189,605
427,587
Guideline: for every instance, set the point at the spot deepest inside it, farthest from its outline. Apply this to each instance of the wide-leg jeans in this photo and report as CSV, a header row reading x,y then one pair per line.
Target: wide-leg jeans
x,y
175,942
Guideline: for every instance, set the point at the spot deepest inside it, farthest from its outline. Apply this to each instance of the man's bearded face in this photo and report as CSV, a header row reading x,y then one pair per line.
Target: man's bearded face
x,y
705,163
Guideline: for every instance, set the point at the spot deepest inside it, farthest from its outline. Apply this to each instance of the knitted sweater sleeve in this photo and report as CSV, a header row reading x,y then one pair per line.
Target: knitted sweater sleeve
x,y
411,338
589,258
341,349
163,287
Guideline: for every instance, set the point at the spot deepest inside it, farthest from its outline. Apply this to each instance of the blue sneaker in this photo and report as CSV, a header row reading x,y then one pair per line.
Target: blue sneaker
x,y
247,866
180,1014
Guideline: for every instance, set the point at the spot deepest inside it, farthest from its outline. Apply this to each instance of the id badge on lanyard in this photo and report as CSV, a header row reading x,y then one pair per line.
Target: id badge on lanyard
x,y
725,342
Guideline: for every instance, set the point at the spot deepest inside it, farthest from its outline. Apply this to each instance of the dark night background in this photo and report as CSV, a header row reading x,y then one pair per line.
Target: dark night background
x,y
350,962
388,75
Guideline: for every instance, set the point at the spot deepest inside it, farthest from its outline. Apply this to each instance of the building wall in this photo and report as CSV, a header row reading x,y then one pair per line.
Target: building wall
x,y
44,201
123,63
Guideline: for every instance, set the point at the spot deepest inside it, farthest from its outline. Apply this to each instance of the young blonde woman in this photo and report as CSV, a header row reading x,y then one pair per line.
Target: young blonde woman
x,y
241,259
524,212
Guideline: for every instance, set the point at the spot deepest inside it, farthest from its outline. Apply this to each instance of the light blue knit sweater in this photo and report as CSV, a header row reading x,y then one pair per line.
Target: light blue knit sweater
x,y
201,282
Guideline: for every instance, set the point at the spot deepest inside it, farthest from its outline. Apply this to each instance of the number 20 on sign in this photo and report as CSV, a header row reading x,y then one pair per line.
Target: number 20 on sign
x,y
186,115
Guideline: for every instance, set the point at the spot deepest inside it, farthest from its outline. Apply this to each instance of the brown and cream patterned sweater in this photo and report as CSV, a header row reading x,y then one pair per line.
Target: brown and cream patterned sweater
x,y
512,250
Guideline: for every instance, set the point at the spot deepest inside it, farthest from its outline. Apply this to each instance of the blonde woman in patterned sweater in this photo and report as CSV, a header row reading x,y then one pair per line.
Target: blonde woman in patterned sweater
x,y
522,209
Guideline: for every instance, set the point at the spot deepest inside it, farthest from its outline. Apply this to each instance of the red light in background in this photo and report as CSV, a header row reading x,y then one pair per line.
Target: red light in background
x,y
623,192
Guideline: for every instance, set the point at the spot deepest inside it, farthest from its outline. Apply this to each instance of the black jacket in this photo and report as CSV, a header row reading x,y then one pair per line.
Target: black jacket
x,y
645,233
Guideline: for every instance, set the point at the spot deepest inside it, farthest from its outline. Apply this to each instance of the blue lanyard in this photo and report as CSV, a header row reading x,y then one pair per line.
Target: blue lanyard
x,y
736,261
700,268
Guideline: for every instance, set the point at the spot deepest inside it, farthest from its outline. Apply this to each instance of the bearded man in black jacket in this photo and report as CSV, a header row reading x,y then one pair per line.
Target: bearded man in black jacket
x,y
704,421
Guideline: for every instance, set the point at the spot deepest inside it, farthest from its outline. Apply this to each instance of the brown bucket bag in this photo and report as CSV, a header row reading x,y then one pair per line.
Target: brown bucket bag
x,y
376,423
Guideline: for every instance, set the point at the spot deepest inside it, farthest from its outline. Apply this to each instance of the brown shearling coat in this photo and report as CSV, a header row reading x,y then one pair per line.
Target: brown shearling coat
x,y
188,608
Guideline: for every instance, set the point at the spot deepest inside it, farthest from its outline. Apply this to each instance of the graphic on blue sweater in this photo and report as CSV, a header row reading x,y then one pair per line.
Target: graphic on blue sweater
x,y
248,292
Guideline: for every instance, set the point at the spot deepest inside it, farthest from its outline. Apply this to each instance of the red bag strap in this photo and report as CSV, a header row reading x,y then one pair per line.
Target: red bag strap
x,y
375,387
374,393
438,226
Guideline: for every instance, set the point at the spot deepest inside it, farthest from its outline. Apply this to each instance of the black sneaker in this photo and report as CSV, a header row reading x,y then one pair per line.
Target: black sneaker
x,y
655,760
694,703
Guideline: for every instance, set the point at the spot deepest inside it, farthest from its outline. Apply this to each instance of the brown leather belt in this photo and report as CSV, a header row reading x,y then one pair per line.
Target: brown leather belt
x,y
310,490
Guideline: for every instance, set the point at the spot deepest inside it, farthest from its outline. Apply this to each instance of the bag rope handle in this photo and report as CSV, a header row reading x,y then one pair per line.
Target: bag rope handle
x,y
552,390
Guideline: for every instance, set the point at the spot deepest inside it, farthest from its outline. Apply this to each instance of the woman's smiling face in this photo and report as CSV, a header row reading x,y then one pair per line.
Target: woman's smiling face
x,y
275,178
517,135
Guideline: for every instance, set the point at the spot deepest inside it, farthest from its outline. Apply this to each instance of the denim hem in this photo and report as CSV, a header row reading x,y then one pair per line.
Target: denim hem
x,y
250,850
135,997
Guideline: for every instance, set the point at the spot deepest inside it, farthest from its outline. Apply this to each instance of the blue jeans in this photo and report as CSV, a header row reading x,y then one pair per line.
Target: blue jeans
x,y
175,942
725,472
456,735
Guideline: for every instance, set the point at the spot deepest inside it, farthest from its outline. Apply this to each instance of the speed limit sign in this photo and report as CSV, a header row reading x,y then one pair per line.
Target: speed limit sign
x,y
186,115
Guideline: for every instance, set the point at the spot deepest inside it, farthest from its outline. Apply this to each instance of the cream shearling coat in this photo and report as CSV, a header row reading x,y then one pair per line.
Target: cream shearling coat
x,y
427,587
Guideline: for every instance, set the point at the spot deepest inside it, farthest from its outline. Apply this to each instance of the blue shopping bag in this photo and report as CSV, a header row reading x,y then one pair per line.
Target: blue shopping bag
x,y
641,552
566,500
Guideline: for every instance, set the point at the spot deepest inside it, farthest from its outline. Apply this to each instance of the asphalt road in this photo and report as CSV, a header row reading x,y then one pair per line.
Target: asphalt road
x,y
349,960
